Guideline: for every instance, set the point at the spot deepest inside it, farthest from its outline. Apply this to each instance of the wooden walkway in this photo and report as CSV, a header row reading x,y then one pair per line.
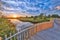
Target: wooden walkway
x,y
49,34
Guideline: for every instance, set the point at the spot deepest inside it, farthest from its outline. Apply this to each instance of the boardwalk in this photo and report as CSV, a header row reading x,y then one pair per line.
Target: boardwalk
x,y
43,31
49,34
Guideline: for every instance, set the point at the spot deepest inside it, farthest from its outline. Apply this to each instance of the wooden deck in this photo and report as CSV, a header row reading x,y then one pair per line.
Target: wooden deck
x,y
48,34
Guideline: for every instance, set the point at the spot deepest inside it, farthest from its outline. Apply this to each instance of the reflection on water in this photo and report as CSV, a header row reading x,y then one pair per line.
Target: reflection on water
x,y
20,25
15,21
23,25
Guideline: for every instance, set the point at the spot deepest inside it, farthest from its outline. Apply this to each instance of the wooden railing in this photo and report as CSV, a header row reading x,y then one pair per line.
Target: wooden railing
x,y
23,35
28,32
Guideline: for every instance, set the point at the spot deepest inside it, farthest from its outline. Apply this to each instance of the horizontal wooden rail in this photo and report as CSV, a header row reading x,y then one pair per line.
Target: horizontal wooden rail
x,y
25,34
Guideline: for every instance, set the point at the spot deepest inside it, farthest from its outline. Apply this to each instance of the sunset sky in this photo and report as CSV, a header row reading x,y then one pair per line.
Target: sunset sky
x,y
30,7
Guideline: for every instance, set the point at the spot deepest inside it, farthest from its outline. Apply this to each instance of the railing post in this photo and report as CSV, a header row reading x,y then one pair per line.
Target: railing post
x,y
10,35
5,37
36,29
28,35
19,35
23,34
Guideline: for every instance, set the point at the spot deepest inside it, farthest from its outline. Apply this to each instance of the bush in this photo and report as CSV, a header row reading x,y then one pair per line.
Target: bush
x,y
6,27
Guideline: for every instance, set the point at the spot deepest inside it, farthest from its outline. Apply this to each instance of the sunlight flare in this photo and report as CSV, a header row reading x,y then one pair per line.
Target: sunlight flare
x,y
15,16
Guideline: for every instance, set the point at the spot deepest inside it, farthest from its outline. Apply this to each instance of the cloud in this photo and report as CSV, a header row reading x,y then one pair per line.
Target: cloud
x,y
58,7
8,8
30,6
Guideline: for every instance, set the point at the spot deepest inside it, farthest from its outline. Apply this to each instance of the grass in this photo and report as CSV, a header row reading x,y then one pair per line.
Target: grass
x,y
6,27
34,20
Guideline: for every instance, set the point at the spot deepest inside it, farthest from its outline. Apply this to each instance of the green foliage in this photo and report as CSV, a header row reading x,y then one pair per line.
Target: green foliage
x,y
55,16
41,14
40,18
6,27
35,19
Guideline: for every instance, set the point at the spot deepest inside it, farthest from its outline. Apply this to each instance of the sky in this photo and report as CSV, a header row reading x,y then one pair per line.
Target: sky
x,y
30,7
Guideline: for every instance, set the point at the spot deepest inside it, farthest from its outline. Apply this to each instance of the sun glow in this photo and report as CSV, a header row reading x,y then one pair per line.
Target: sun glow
x,y
15,16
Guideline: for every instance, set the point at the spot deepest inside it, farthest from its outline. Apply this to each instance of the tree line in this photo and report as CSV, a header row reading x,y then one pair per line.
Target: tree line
x,y
47,16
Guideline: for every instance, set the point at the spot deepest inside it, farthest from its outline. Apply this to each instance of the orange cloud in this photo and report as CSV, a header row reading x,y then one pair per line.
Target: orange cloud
x,y
58,7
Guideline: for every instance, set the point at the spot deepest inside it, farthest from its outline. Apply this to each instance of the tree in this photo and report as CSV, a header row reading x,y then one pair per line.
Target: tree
x,y
26,16
31,16
41,14
49,16
55,16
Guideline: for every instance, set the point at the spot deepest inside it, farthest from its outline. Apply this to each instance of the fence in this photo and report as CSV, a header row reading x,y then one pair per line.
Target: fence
x,y
28,32
23,35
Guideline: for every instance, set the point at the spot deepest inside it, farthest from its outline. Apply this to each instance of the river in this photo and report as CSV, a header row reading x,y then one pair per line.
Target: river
x,y
22,25
19,24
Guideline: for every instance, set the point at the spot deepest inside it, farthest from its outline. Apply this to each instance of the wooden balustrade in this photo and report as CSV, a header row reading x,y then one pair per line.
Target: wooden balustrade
x,y
28,32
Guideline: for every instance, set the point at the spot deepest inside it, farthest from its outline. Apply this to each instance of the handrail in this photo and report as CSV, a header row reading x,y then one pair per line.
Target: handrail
x,y
20,32
25,34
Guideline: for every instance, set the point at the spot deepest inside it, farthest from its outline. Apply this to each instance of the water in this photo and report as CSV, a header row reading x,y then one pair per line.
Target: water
x,y
48,34
20,25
